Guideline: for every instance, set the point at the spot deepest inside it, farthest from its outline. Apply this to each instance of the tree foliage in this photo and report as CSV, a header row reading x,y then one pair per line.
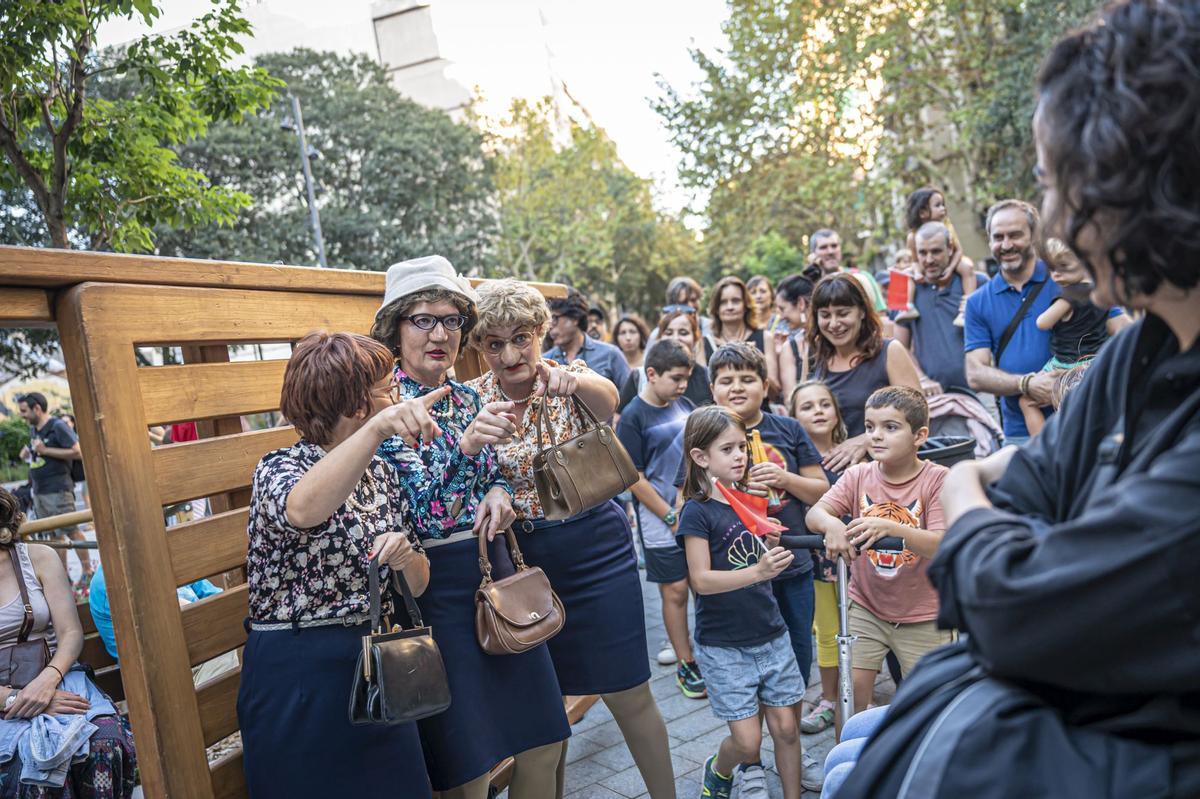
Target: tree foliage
x,y
826,113
101,172
571,211
394,180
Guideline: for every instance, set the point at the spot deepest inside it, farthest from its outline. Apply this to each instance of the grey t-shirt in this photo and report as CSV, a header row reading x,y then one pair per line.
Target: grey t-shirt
x,y
936,342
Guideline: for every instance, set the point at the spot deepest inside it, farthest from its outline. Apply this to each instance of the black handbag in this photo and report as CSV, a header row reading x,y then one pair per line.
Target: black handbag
x,y
400,675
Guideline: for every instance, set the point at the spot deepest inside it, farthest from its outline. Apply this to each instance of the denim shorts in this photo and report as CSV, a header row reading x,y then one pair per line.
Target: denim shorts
x,y
739,679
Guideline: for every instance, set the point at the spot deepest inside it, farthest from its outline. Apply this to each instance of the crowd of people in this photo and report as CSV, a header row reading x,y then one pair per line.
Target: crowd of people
x,y
1035,605
750,410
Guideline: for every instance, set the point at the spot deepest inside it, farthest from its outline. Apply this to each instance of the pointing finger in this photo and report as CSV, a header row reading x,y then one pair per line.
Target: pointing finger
x,y
435,396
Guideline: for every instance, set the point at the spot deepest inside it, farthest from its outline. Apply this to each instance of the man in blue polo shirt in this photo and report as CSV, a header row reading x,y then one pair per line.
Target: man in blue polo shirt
x,y
1011,227
568,330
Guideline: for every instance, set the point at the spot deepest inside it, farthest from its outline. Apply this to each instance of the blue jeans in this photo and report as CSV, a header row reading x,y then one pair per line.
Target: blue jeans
x,y
796,600
841,758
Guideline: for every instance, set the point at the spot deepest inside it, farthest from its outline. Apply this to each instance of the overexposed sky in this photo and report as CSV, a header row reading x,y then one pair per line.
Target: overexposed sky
x,y
606,53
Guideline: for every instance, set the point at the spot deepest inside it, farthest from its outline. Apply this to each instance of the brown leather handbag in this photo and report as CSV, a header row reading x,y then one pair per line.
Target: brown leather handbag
x,y
400,675
518,612
21,662
581,472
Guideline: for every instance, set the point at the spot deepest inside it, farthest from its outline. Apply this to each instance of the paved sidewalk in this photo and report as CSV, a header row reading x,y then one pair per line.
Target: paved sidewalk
x,y
601,767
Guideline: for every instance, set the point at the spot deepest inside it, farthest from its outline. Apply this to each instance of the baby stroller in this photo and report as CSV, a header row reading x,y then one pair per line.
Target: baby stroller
x,y
958,413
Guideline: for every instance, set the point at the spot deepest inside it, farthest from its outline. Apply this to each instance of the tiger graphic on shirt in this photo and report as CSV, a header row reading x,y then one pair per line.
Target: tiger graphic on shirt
x,y
889,562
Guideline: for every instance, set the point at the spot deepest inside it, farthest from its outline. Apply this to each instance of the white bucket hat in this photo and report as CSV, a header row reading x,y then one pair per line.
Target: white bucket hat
x,y
416,274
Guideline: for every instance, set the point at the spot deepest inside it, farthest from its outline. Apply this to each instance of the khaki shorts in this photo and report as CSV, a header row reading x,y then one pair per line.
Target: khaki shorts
x,y
873,637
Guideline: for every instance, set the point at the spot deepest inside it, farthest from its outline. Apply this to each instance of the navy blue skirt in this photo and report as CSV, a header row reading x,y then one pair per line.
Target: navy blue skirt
x,y
592,566
500,705
293,709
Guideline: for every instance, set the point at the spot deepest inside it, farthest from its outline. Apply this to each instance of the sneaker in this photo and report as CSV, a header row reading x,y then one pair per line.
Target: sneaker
x,y
908,313
812,775
666,655
819,720
714,786
751,781
690,681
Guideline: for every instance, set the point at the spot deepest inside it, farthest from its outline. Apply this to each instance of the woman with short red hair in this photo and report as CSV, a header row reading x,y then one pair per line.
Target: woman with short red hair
x,y
322,513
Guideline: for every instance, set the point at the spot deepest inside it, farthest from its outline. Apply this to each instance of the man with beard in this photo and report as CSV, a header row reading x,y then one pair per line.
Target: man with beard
x,y
1005,350
933,340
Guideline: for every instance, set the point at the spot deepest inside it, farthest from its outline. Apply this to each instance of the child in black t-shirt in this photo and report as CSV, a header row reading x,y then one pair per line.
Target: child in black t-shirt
x,y
1078,327
742,643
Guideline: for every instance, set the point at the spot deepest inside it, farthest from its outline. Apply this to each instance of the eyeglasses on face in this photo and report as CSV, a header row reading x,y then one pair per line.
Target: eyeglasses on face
x,y
494,345
427,321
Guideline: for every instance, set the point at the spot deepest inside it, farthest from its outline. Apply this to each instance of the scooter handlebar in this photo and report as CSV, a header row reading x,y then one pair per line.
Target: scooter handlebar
x,y
818,542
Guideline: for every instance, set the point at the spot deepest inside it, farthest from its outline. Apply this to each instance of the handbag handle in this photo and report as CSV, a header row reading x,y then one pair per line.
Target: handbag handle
x,y
580,405
27,619
485,565
414,612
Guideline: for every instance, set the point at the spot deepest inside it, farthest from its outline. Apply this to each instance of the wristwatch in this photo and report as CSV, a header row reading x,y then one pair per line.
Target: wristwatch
x,y
670,517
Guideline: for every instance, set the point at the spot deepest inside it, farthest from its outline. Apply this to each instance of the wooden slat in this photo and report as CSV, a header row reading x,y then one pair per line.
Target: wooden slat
x,y
213,626
109,681
34,526
84,610
229,779
25,308
214,466
47,267
155,672
208,546
217,699
209,390
94,653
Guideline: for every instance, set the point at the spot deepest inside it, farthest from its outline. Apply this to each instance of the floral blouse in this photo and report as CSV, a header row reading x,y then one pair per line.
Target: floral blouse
x,y
516,457
297,574
442,484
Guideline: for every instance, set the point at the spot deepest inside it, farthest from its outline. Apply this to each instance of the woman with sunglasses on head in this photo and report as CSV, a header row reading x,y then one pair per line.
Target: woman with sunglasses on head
x,y
502,706
589,558
323,512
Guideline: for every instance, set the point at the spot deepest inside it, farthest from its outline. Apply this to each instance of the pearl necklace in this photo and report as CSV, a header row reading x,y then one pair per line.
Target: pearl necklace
x,y
536,385
378,498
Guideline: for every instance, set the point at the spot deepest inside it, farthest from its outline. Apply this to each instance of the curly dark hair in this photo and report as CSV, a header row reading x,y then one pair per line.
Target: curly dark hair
x,y
1119,105
917,202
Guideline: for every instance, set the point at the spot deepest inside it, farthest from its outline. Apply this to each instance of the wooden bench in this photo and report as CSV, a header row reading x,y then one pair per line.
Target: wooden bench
x,y
105,306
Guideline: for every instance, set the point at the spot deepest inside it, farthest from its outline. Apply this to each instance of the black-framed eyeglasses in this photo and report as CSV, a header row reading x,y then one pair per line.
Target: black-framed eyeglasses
x,y
427,321
678,309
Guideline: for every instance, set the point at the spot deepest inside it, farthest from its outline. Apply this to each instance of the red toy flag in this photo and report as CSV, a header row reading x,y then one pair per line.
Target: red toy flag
x,y
751,510
897,293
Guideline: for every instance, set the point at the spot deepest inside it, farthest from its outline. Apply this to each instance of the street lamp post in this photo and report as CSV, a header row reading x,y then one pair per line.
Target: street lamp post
x,y
313,214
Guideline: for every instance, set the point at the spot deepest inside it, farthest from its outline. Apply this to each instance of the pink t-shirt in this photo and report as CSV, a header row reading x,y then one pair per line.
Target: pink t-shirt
x,y
892,585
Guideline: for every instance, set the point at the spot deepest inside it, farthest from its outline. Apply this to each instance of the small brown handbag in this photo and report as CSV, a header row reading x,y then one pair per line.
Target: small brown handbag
x,y
21,662
581,472
518,612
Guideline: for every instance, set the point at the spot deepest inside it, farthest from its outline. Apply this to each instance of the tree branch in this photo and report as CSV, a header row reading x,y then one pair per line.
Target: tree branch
x,y
33,179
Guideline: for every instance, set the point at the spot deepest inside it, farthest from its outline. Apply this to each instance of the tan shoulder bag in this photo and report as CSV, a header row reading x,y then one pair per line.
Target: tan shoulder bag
x,y
518,612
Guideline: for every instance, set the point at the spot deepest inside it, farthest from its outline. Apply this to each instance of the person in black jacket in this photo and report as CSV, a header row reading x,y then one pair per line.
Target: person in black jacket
x,y
1070,565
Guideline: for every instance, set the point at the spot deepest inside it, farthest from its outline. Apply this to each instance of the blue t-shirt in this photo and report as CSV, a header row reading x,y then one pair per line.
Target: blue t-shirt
x,y
748,616
936,342
989,311
102,613
653,437
603,359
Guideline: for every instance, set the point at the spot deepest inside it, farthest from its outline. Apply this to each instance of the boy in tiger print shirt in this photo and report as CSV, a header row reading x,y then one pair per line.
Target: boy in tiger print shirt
x,y
892,604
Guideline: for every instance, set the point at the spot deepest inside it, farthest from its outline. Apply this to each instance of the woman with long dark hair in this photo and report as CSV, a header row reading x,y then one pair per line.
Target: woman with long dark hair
x,y
1071,563
847,350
